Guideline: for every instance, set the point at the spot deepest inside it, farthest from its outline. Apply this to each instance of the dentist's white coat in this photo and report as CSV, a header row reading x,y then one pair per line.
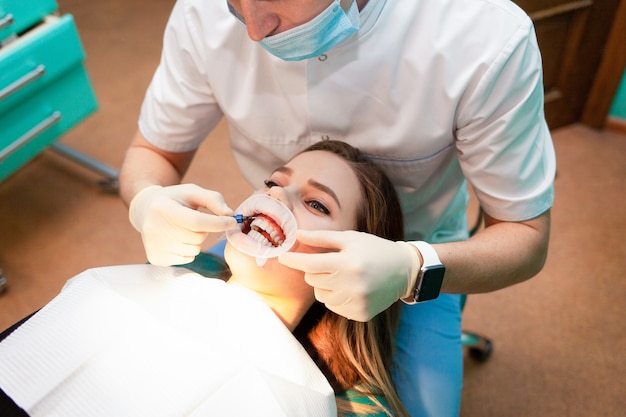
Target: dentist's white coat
x,y
464,98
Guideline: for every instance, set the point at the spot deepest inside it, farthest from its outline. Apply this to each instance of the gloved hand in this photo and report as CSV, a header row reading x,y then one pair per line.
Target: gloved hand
x,y
362,274
171,227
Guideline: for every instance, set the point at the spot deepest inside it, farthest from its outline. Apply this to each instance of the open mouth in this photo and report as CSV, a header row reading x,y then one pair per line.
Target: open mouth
x,y
271,233
264,230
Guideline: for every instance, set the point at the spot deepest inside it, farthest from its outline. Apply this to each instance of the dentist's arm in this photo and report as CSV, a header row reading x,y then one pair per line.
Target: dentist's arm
x,y
144,165
166,214
363,274
498,256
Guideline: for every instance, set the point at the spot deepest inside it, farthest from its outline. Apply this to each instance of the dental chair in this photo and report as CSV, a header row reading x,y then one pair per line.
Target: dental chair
x,y
478,346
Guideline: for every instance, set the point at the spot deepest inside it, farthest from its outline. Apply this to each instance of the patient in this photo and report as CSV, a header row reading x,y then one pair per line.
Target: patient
x,y
166,332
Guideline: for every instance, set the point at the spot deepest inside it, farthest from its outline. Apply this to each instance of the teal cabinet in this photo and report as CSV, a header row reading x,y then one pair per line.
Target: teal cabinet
x,y
44,88
17,16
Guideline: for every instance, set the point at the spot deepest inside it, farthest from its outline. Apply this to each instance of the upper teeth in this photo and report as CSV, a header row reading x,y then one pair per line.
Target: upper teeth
x,y
260,223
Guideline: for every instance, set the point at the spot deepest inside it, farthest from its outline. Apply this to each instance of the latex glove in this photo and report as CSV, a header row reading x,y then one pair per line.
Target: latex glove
x,y
171,227
362,276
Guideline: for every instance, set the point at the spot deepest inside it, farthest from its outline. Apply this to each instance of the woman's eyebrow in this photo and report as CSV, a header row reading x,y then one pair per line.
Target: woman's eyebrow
x,y
325,189
284,170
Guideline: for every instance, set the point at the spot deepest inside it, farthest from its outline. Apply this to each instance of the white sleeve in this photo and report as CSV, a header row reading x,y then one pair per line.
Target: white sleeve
x,y
505,147
179,109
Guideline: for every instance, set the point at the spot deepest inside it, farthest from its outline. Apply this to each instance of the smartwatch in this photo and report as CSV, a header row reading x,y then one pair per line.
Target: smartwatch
x,y
430,276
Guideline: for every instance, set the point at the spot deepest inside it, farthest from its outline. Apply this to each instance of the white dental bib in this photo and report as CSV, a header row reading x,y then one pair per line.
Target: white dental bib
x,y
143,340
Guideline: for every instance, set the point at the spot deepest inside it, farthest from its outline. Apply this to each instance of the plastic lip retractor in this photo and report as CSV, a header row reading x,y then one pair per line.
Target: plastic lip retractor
x,y
262,206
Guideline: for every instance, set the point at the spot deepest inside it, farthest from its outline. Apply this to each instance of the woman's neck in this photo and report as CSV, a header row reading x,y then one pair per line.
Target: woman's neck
x,y
288,308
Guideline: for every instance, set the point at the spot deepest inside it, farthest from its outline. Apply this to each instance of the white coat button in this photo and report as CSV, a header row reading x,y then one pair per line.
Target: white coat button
x,y
325,137
322,57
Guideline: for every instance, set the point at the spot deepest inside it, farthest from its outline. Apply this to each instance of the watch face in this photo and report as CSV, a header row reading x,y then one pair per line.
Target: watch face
x,y
432,277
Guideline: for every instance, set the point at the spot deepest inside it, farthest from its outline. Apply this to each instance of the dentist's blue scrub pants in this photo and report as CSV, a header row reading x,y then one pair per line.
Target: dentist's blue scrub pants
x,y
428,365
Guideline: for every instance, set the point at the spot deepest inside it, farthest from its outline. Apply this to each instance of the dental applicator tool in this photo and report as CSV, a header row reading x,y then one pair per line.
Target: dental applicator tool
x,y
241,218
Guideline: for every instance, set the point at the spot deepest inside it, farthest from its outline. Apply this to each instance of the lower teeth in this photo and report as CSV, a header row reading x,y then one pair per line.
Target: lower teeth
x,y
260,238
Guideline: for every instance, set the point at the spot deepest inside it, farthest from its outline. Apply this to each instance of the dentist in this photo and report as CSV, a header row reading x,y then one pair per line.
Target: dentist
x,y
441,93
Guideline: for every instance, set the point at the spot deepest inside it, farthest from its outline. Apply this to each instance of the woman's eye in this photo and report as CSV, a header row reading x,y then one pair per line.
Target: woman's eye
x,y
270,183
316,205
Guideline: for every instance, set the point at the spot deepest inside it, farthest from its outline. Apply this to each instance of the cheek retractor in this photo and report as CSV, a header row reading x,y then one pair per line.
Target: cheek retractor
x,y
271,233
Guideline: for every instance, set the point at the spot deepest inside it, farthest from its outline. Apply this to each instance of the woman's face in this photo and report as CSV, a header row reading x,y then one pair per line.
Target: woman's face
x,y
323,193
320,189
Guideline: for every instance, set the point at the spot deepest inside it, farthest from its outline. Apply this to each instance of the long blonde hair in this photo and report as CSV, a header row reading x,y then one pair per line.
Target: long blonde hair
x,y
353,355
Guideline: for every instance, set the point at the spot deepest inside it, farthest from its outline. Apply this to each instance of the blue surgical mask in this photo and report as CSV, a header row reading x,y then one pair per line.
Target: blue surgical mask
x,y
315,37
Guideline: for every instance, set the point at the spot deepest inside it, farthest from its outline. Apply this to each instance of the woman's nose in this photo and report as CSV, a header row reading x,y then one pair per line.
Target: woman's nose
x,y
283,195
260,22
